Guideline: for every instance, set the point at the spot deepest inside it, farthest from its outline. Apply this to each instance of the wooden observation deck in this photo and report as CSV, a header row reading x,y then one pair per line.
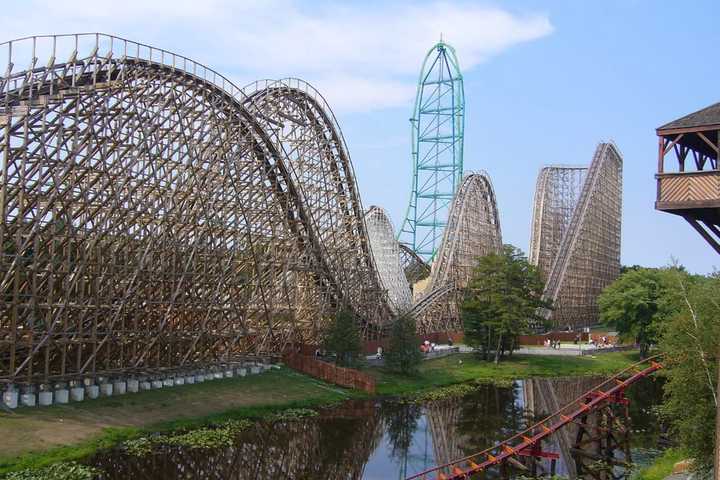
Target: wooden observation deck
x,y
690,187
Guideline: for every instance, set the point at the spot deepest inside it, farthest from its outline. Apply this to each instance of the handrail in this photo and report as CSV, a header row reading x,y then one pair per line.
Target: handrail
x,y
119,46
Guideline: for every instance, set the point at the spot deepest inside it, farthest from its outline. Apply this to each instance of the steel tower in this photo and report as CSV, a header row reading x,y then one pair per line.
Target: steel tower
x,y
437,129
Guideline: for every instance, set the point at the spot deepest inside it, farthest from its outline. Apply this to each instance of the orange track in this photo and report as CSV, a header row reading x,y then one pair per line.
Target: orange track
x,y
524,442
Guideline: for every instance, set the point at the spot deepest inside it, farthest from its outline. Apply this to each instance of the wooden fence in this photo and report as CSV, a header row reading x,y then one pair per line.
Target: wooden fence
x,y
345,377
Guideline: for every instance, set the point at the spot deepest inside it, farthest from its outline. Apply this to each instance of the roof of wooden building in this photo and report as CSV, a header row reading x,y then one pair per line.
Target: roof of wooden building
x,y
705,117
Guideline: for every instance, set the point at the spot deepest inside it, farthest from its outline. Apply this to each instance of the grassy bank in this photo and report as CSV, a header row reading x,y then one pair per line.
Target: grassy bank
x,y
37,437
661,467
466,367
41,436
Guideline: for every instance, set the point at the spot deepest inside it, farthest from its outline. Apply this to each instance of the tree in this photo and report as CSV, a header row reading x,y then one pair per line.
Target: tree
x,y
626,268
501,302
343,338
636,304
690,343
403,354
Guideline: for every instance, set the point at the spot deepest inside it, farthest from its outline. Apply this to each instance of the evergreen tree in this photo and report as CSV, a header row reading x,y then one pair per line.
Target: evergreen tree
x,y
343,338
501,302
403,353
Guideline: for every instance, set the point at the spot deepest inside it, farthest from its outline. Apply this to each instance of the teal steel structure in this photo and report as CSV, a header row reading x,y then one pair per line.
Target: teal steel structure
x,y
437,127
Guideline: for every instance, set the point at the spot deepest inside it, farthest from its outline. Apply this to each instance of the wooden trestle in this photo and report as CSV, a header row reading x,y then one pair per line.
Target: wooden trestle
x,y
528,444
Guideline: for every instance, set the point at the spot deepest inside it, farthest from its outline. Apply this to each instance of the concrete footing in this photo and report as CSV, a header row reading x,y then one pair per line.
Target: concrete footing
x,y
45,399
133,386
77,394
28,400
119,388
62,396
77,390
92,391
10,398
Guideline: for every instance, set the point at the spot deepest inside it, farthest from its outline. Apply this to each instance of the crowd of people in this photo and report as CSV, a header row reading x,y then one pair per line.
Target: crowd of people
x,y
427,346
602,342
555,344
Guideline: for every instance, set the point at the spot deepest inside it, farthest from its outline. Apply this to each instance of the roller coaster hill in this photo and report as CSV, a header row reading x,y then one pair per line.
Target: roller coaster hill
x,y
575,238
156,216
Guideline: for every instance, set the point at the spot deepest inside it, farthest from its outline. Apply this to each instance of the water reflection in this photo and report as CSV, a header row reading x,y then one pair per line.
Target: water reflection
x,y
387,439
542,397
335,446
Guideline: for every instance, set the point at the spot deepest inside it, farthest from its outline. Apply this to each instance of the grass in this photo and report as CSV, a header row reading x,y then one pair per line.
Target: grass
x,y
661,467
39,437
466,367
34,438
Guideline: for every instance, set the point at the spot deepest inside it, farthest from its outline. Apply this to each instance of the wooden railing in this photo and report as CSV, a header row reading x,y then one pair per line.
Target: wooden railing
x,y
688,190
345,377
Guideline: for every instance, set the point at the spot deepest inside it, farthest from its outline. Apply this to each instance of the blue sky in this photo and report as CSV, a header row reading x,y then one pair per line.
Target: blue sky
x,y
545,81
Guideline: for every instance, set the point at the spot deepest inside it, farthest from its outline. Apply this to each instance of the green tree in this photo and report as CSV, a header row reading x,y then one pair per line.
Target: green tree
x,y
343,338
630,268
636,304
501,302
403,353
690,342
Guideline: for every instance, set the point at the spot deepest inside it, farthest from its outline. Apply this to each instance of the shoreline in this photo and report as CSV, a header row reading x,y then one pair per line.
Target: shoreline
x,y
37,437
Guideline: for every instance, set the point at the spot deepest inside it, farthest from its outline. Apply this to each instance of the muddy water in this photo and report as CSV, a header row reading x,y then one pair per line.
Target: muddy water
x,y
384,439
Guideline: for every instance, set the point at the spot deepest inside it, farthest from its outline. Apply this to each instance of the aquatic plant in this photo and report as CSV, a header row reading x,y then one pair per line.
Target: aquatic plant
x,y
57,471
138,447
221,435
442,393
202,438
293,413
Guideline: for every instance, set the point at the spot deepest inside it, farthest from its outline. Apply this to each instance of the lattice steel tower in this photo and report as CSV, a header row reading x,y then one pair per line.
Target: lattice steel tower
x,y
437,129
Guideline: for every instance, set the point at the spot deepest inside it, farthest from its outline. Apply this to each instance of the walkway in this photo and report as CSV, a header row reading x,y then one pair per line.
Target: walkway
x,y
565,350
568,350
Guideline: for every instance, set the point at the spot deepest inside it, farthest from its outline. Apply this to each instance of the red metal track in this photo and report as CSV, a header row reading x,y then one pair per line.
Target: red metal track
x,y
529,441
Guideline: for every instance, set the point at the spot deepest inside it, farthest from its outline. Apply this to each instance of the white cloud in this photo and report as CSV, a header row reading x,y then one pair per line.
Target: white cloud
x,y
361,57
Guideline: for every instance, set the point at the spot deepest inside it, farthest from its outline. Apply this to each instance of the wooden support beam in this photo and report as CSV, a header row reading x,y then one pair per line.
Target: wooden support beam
x,y
715,244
